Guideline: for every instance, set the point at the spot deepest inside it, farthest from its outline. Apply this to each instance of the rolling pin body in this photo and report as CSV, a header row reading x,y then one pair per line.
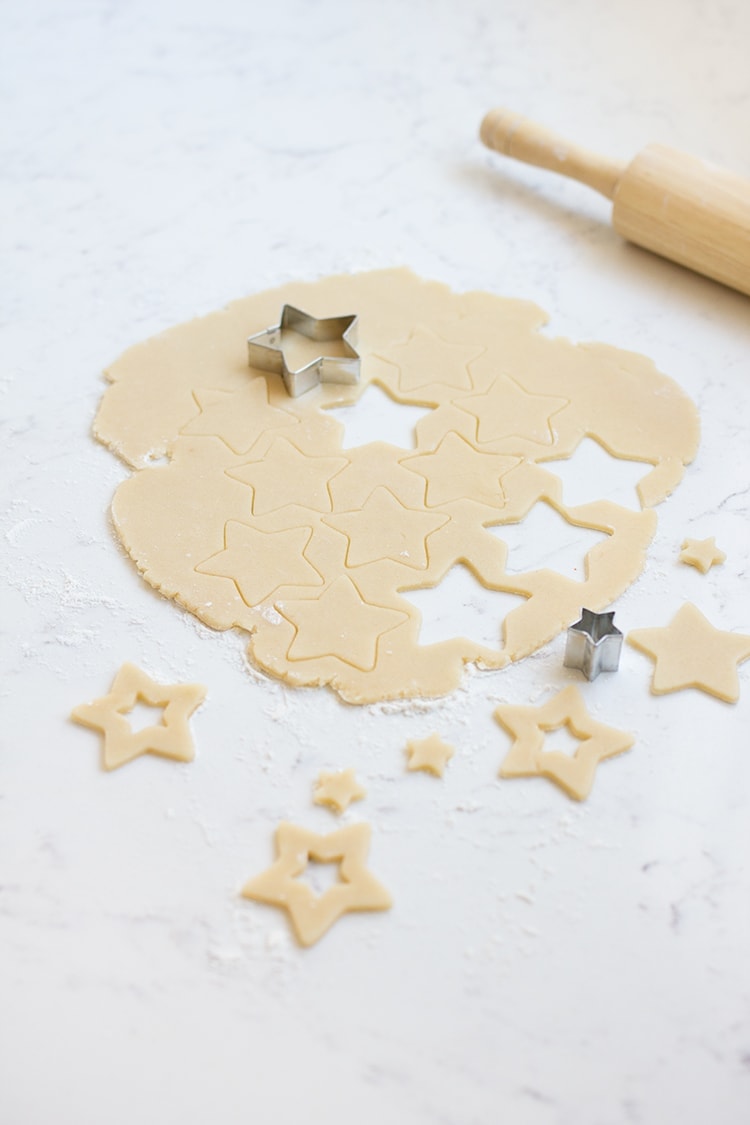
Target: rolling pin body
x,y
666,201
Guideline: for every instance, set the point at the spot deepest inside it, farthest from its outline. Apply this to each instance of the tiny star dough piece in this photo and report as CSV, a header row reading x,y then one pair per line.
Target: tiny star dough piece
x,y
338,789
170,738
245,507
530,726
701,553
691,652
429,754
312,915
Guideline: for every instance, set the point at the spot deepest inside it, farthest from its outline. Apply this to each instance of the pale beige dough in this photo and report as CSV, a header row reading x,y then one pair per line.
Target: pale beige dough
x,y
312,915
430,754
261,520
530,727
691,652
702,554
170,737
338,789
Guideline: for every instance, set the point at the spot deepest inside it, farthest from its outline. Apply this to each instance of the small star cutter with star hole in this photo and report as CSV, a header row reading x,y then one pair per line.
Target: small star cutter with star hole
x,y
593,644
265,350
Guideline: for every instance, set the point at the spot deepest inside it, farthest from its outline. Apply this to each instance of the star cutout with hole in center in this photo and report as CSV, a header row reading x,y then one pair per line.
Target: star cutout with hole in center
x,y
691,652
429,754
701,553
259,562
508,410
338,789
530,727
312,915
339,623
170,738
286,476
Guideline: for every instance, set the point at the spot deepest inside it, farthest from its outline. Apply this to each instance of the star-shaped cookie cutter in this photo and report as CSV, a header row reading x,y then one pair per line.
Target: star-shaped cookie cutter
x,y
266,350
594,644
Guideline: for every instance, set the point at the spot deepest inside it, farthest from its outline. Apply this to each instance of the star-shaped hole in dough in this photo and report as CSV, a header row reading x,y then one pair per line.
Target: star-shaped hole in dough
x,y
339,623
426,358
455,471
170,738
691,652
701,553
238,417
312,915
429,754
286,476
338,789
384,528
259,562
507,410
529,727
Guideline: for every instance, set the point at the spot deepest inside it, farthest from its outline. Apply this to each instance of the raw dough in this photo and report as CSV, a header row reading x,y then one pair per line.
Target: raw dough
x,y
338,790
691,652
257,518
429,754
702,554
313,914
171,737
529,727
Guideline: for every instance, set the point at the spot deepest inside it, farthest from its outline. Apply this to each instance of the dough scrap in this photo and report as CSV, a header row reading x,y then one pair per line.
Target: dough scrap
x,y
246,509
312,915
702,554
691,652
170,738
529,727
429,754
338,789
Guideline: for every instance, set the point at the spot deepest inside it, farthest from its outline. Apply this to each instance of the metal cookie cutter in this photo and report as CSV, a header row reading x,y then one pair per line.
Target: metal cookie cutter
x,y
594,644
266,350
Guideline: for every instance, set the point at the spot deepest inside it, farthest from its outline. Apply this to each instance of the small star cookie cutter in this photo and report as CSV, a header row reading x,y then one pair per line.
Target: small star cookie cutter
x,y
594,644
265,350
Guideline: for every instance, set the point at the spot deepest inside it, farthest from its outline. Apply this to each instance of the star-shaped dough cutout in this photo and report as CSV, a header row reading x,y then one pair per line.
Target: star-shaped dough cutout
x,y
429,754
238,417
286,476
259,562
171,737
312,915
701,553
508,410
691,652
338,789
384,528
529,728
425,358
456,470
339,623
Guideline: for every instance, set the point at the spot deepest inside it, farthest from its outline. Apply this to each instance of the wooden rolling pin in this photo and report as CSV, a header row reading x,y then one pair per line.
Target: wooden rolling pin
x,y
676,205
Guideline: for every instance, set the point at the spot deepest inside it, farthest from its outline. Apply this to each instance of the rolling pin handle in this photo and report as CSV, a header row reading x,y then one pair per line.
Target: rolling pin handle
x,y
518,137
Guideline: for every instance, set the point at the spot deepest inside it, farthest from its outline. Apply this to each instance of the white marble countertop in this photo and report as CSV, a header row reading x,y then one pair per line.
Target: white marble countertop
x,y
545,963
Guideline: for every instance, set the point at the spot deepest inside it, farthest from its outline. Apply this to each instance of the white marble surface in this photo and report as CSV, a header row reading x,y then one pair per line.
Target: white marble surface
x,y
545,963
